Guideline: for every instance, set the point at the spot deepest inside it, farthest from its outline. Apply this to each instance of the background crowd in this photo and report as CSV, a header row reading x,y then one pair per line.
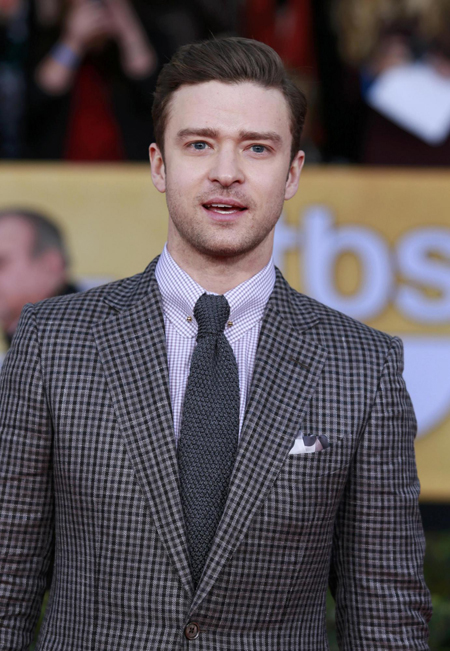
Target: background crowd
x,y
76,84
77,76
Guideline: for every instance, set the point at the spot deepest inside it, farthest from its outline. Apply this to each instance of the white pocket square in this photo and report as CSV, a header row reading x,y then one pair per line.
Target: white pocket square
x,y
309,444
300,448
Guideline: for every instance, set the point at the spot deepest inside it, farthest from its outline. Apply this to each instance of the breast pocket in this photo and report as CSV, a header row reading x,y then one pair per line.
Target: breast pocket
x,y
306,467
310,485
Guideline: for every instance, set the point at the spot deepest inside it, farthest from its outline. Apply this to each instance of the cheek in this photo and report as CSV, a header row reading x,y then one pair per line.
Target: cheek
x,y
269,182
182,186
183,173
269,194
19,279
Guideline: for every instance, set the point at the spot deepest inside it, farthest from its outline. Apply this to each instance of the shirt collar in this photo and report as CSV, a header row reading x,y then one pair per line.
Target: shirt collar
x,y
180,293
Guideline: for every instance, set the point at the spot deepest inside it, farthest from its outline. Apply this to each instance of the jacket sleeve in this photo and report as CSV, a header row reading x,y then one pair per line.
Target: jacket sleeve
x,y
376,576
26,495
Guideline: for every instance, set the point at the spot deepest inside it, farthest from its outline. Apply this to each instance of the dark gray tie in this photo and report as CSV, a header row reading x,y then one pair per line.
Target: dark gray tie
x,y
209,432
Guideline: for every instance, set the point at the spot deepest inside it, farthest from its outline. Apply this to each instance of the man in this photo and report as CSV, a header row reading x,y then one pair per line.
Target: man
x,y
202,446
33,264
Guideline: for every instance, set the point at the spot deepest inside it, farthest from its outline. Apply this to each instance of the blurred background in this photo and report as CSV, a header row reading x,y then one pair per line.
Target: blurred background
x,y
368,232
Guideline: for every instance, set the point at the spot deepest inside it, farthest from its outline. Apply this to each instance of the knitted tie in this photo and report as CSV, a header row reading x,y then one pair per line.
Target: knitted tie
x,y
209,430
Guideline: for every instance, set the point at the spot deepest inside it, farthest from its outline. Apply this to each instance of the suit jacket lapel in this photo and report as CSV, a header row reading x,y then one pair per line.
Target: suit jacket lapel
x,y
137,376
286,371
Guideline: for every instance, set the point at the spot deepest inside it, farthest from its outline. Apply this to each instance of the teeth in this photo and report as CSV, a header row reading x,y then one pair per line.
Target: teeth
x,y
223,206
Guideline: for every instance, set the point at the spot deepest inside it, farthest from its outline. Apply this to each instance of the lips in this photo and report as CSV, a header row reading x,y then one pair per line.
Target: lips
x,y
224,206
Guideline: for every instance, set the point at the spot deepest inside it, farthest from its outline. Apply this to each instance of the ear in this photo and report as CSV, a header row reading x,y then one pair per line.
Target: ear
x,y
294,175
157,167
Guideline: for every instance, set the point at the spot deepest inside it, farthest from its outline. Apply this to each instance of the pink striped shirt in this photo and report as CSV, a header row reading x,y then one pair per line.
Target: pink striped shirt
x,y
179,295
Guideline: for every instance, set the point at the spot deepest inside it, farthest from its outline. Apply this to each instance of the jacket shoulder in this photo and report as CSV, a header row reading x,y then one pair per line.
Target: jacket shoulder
x,y
335,325
91,305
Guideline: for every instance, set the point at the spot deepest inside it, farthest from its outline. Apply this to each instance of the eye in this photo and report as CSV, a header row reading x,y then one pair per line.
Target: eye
x,y
258,149
199,145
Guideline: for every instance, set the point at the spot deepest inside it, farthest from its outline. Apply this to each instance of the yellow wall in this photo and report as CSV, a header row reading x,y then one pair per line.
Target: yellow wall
x,y
116,222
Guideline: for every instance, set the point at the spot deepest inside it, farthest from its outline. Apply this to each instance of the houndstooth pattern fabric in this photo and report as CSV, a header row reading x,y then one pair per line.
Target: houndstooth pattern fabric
x,y
89,484
209,430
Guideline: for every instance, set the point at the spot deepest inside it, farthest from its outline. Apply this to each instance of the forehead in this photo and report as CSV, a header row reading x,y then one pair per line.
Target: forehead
x,y
229,108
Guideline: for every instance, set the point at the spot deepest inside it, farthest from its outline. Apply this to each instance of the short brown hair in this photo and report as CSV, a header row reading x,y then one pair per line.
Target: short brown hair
x,y
230,60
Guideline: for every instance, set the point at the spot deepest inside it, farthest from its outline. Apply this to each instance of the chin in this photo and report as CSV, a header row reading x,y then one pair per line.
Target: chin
x,y
226,250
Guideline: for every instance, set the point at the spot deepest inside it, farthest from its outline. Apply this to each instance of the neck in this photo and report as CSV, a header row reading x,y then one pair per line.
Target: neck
x,y
220,275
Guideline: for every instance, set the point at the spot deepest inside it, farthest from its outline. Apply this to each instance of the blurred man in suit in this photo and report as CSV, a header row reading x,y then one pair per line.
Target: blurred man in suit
x,y
33,264
204,448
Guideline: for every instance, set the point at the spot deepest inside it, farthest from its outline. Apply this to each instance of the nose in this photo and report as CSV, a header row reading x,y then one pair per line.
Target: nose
x,y
226,167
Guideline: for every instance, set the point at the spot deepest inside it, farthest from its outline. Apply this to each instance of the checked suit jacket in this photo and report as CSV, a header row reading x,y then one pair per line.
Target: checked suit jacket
x,y
89,487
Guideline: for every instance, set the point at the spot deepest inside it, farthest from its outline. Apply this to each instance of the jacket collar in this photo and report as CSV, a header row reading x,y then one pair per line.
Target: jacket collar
x,y
296,309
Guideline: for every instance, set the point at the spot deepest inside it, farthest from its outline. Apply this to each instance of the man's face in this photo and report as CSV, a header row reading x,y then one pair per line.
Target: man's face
x,y
226,168
23,278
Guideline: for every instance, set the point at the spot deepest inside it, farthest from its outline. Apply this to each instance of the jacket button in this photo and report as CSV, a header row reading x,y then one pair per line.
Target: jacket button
x,y
192,631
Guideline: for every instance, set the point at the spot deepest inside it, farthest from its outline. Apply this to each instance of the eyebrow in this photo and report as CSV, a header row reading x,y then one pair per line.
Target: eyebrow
x,y
206,133
243,135
273,136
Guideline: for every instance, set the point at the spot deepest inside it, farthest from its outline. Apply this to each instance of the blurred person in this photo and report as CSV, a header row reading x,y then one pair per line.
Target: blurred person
x,y
93,70
77,76
204,448
33,264
375,37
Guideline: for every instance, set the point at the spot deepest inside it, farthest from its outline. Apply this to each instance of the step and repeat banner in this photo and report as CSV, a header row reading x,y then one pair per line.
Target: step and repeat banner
x,y
373,243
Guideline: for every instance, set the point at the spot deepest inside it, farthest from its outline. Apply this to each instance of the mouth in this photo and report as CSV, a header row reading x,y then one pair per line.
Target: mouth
x,y
226,208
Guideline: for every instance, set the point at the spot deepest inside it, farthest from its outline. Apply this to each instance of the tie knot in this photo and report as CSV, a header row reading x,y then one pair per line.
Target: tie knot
x,y
211,313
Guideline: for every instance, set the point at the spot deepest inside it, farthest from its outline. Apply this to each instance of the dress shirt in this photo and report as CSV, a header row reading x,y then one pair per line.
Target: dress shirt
x,y
179,295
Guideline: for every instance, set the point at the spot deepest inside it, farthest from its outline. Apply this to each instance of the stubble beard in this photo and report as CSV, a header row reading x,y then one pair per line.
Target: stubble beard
x,y
221,241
